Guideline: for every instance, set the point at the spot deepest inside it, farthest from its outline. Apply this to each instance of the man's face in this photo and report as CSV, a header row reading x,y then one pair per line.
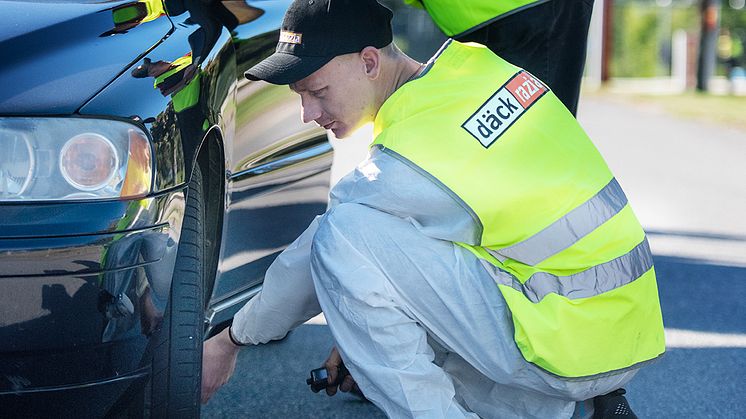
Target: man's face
x,y
338,96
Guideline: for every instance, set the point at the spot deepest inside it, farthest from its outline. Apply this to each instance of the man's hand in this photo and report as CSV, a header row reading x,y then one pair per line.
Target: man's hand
x,y
218,362
332,365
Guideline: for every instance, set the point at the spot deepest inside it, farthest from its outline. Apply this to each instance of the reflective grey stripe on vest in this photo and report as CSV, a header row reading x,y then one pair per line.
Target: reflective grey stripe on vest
x,y
564,232
593,281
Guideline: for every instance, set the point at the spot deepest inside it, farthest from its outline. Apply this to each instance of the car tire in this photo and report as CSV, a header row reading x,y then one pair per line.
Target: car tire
x,y
177,356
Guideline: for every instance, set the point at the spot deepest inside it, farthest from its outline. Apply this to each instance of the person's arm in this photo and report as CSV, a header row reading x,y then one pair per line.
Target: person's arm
x,y
218,362
287,300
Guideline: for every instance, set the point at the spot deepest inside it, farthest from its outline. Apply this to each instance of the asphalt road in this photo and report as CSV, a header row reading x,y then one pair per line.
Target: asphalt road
x,y
685,181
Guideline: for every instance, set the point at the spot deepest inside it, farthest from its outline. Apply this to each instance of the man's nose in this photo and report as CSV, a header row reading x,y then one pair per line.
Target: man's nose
x,y
310,111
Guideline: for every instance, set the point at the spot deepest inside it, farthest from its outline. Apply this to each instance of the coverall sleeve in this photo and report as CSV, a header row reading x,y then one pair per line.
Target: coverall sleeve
x,y
287,298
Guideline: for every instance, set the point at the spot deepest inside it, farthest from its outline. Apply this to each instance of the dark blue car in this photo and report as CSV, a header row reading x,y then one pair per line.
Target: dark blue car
x,y
145,187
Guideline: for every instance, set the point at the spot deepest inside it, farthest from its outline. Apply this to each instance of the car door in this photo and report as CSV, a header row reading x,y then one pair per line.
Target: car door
x,y
278,167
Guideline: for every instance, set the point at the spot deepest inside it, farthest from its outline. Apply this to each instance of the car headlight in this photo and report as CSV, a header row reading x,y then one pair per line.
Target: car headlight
x,y
73,158
89,161
16,164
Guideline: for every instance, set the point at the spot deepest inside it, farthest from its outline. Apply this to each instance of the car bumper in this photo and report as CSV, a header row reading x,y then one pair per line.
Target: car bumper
x,y
83,287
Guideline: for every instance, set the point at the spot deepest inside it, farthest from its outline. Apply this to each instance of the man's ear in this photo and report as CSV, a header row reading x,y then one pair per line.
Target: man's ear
x,y
371,58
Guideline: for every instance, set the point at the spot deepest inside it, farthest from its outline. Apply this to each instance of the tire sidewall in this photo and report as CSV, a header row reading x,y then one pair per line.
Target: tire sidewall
x,y
177,359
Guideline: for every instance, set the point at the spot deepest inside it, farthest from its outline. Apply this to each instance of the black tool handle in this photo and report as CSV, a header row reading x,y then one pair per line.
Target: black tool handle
x,y
319,379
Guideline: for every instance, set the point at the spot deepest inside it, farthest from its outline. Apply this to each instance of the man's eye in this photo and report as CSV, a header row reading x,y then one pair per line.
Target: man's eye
x,y
318,93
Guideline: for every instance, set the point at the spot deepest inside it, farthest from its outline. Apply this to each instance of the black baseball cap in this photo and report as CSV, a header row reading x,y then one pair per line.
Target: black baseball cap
x,y
315,31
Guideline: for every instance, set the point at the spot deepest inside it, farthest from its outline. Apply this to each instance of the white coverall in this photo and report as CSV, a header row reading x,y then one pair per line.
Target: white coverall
x,y
419,321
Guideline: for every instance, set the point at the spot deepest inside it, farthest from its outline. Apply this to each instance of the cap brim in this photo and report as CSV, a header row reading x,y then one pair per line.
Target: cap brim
x,y
283,68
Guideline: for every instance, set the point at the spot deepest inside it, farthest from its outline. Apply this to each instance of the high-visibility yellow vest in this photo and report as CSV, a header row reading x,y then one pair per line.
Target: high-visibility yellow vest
x,y
558,236
456,18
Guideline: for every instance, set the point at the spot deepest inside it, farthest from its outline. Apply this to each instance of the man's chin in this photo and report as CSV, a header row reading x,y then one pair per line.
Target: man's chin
x,y
340,133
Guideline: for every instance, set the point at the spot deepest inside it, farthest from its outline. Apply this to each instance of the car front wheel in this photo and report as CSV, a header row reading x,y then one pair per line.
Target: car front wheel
x,y
177,358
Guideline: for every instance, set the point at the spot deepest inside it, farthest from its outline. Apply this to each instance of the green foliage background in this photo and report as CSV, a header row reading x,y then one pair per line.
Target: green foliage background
x,y
643,30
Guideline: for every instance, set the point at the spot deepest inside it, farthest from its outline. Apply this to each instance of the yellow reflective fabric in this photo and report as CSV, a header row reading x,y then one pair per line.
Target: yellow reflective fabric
x,y
589,336
533,175
537,169
615,237
459,17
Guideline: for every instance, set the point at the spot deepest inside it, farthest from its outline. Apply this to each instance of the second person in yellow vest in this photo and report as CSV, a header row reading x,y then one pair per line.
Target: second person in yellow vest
x,y
546,37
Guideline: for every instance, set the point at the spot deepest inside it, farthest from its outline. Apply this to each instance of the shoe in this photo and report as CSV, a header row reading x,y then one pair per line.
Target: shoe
x,y
612,406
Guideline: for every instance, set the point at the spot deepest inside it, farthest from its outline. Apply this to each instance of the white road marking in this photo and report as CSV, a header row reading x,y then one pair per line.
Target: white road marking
x,y
681,338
